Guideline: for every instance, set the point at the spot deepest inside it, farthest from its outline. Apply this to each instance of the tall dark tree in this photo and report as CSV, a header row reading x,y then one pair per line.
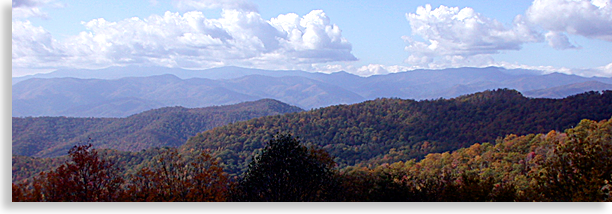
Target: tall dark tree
x,y
285,170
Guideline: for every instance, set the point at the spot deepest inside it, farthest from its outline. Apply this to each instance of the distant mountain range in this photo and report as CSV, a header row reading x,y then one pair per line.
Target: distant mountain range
x,y
123,91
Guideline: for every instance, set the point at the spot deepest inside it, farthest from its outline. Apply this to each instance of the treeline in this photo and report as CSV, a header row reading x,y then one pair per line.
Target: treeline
x,y
170,126
388,130
575,165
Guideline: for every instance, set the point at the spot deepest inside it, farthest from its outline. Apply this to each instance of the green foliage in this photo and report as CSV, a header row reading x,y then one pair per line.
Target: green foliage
x,y
286,171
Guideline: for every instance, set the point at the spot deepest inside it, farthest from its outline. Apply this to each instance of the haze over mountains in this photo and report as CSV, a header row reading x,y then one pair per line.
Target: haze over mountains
x,y
123,91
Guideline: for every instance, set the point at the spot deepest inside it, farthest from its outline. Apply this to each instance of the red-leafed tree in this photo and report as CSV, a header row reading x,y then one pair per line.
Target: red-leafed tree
x,y
175,178
86,177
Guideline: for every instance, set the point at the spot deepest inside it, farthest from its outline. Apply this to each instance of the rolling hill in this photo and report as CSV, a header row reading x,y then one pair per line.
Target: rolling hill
x,y
364,133
169,126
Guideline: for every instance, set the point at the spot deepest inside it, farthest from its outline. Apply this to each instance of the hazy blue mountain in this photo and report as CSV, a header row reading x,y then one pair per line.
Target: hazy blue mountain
x,y
110,96
563,91
127,96
228,72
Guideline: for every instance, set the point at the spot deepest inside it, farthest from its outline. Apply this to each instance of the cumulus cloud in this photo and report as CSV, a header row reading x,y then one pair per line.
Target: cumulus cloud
x,y
191,40
33,45
592,19
312,38
462,37
558,41
454,37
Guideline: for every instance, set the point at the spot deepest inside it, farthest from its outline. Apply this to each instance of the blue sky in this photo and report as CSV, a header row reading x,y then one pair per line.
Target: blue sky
x,y
361,37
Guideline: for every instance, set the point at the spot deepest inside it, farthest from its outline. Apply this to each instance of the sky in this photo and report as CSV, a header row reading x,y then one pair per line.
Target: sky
x,y
363,37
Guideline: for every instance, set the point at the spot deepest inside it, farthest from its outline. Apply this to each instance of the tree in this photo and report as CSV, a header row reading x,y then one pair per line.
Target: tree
x,y
86,177
580,169
287,171
175,178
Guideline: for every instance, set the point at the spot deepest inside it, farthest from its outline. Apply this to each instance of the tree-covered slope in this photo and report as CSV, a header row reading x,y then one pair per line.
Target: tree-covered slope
x,y
364,132
170,126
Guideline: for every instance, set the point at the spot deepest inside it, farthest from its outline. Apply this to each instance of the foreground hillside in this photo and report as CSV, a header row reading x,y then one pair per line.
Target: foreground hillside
x,y
574,165
373,131
170,126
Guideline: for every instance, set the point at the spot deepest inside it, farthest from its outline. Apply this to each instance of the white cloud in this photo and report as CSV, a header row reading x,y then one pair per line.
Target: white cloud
x,y
607,70
365,70
461,37
33,46
239,37
454,37
558,41
312,38
592,19
602,71
378,69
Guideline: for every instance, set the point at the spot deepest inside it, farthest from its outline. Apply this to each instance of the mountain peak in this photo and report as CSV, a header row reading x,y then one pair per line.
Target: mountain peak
x,y
492,95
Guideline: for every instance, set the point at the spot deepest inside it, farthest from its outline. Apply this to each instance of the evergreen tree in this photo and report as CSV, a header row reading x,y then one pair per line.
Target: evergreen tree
x,y
286,171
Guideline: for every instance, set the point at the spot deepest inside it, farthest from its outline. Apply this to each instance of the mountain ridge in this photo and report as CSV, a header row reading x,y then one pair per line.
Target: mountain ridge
x,y
168,126
367,131
130,95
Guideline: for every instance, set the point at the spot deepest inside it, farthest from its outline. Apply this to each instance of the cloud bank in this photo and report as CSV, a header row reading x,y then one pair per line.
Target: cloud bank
x,y
239,37
592,19
454,37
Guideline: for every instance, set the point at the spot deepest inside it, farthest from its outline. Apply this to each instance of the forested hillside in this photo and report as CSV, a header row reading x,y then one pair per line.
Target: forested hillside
x,y
489,146
558,166
373,131
170,126
574,165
